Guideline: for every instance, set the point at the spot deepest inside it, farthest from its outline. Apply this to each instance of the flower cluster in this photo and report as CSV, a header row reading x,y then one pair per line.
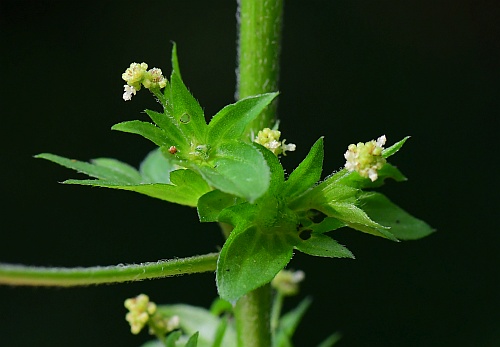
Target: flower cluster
x,y
287,282
366,158
270,139
138,75
140,310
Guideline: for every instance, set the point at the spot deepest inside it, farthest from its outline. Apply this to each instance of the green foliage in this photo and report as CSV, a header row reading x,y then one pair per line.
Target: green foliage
x,y
184,187
231,180
212,330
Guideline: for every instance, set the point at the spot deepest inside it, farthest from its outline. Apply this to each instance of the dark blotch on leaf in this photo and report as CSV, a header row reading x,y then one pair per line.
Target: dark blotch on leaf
x,y
305,234
185,118
299,226
316,216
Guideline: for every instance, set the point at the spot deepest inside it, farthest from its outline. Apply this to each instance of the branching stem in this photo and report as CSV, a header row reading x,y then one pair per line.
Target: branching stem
x,y
69,277
260,23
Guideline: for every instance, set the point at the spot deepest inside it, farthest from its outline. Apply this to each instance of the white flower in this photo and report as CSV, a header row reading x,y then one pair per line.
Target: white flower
x,y
129,91
366,158
154,79
288,147
134,75
270,139
381,141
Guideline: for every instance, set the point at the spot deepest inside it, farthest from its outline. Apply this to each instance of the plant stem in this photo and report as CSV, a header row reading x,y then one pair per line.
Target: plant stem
x,y
260,24
70,277
252,313
259,42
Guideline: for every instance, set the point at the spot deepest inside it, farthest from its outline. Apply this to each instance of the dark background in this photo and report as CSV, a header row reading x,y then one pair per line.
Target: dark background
x,y
351,71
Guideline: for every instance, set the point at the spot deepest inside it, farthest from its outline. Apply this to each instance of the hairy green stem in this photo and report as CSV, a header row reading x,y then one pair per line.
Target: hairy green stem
x,y
20,275
260,23
252,314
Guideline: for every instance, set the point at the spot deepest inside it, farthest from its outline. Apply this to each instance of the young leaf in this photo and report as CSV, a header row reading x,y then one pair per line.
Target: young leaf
x,y
320,245
307,173
289,322
386,153
186,110
277,174
120,168
230,122
193,340
186,189
331,340
155,168
103,168
211,204
248,260
327,224
170,126
239,169
197,319
172,338
403,225
146,130
357,219
353,179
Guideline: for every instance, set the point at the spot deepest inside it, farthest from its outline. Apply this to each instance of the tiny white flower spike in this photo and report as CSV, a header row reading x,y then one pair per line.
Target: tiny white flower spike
x,y
290,147
129,91
381,141
366,158
270,139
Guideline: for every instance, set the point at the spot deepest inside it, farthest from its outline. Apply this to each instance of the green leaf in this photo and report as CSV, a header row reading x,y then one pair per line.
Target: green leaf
x,y
170,126
231,122
211,204
353,179
403,225
103,168
123,170
249,259
324,194
175,60
186,110
386,153
146,130
328,224
307,173
277,174
239,169
323,246
155,168
331,340
155,343
193,340
172,338
186,188
194,319
289,323
357,219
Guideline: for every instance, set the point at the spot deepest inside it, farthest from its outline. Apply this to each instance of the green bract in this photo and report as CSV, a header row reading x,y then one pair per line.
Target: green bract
x,y
231,180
